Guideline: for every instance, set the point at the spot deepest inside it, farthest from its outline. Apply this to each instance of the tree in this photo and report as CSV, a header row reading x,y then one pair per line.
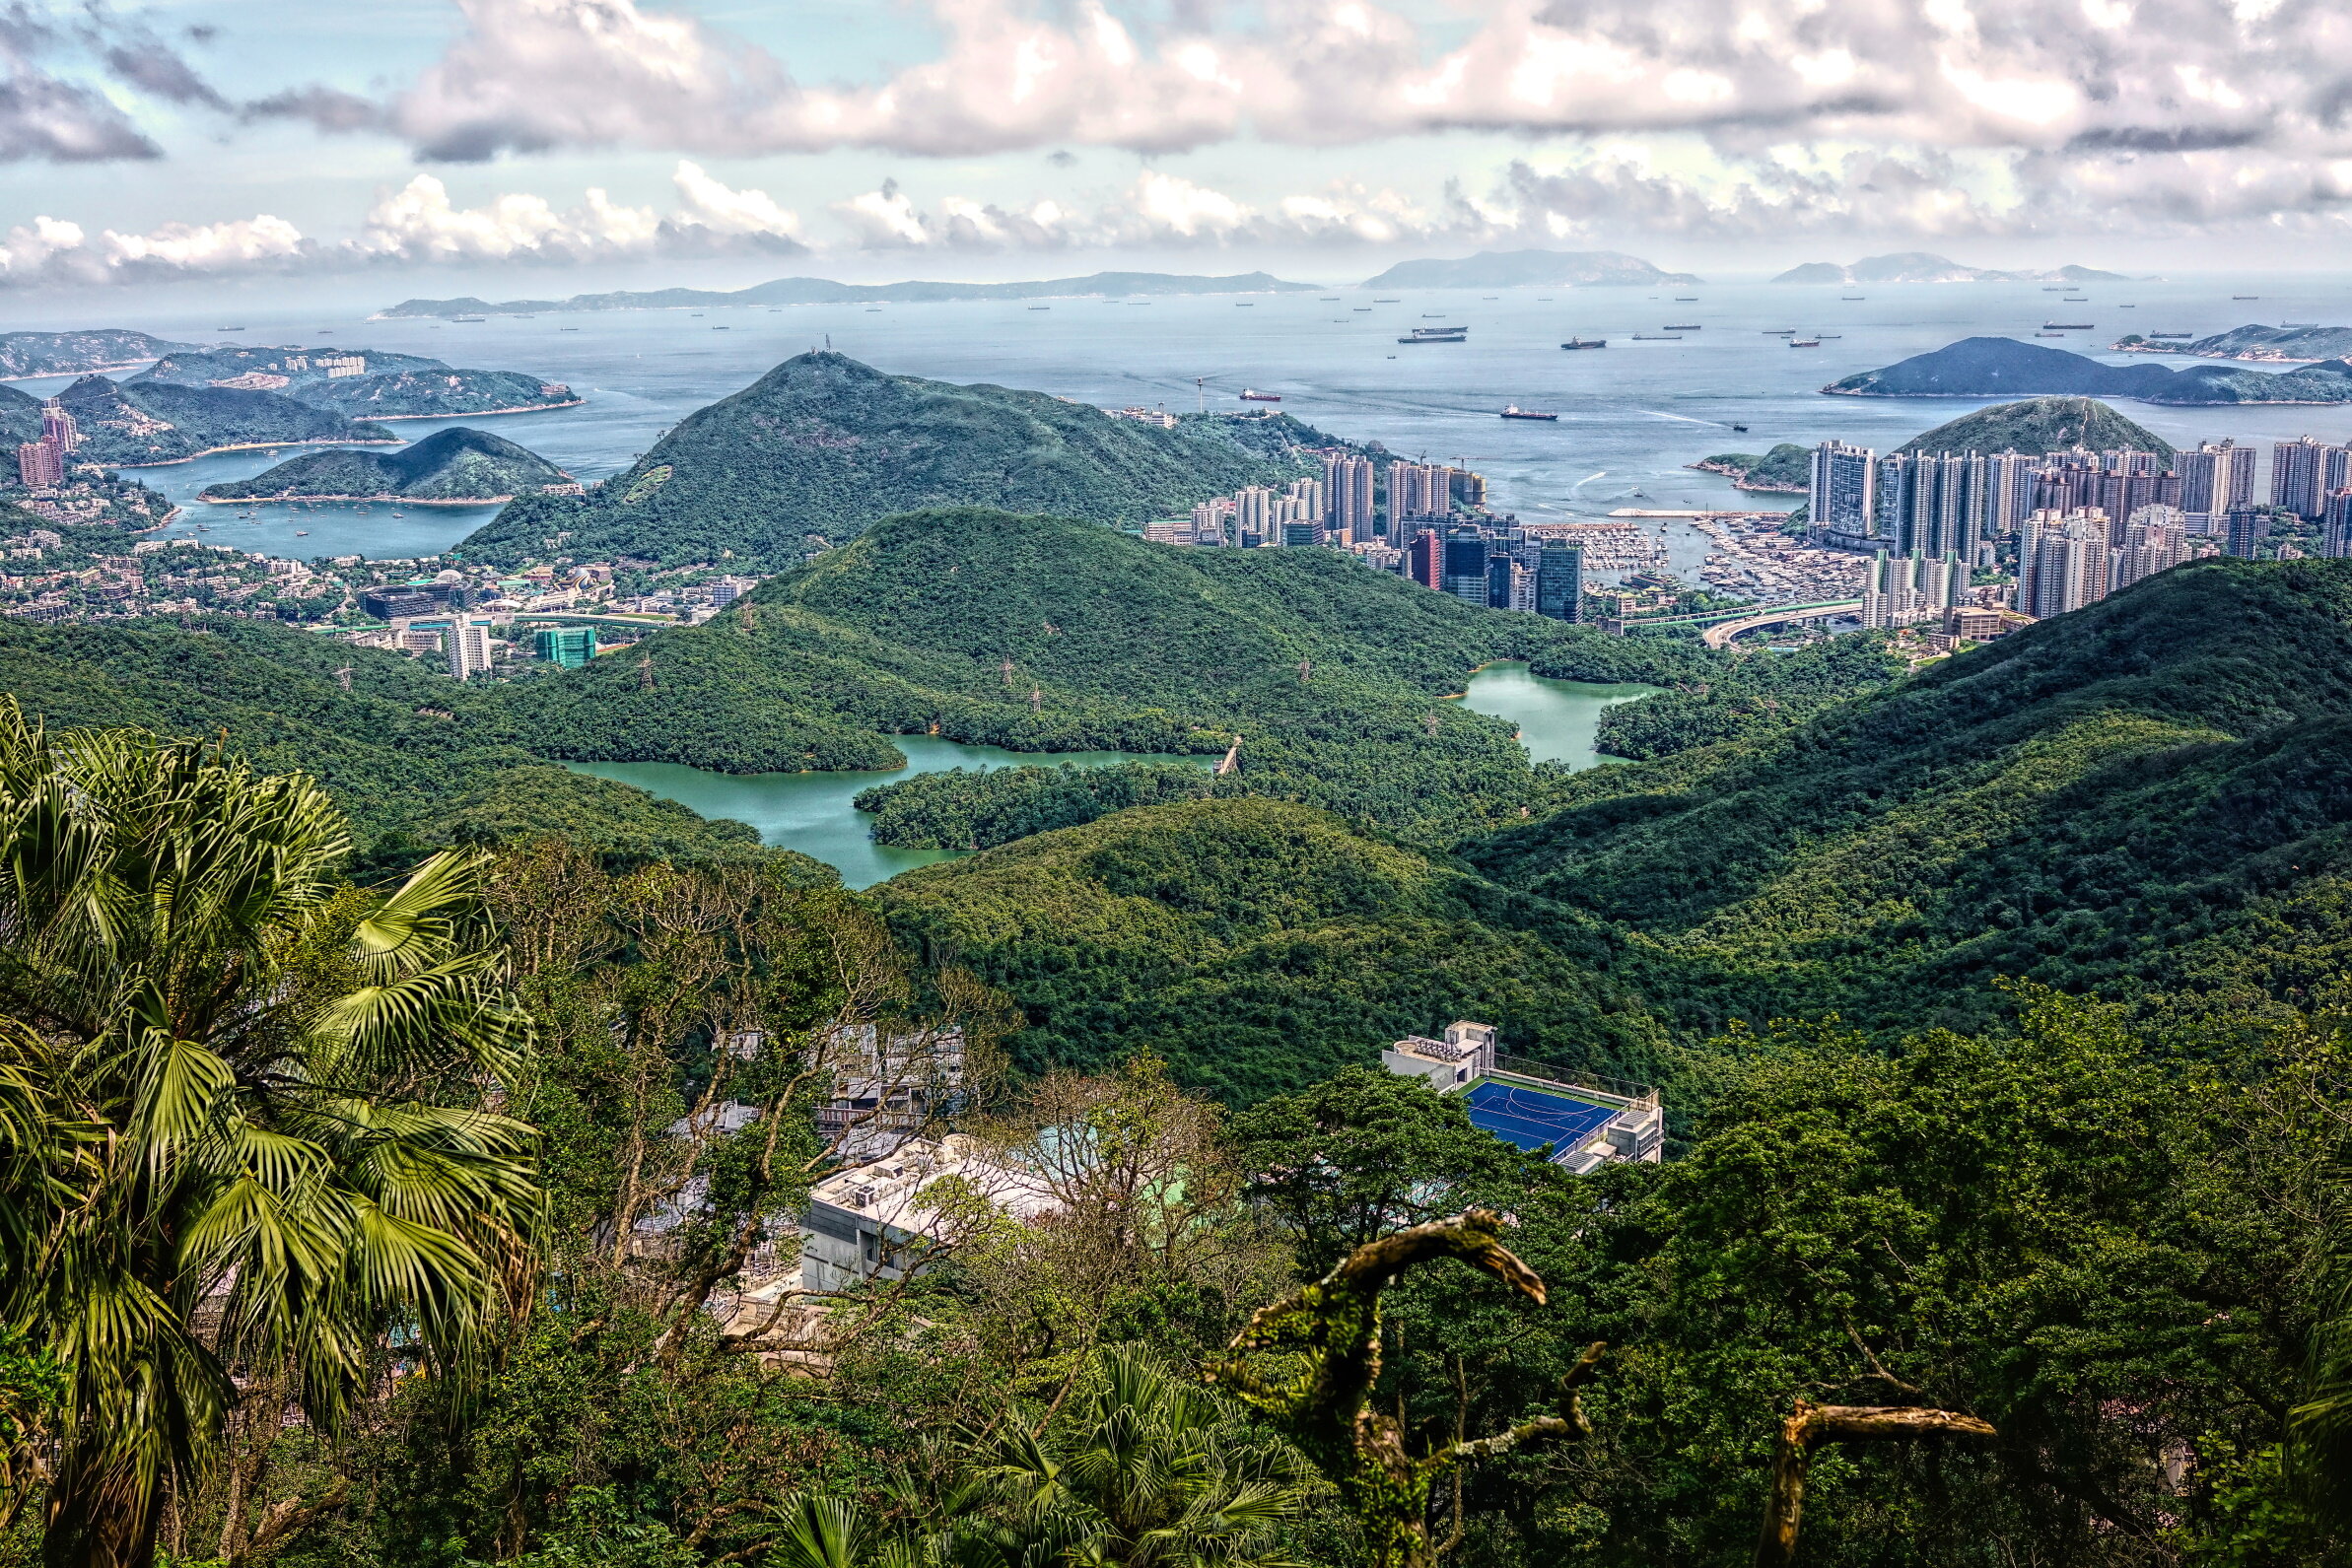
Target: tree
x,y
1149,1470
291,1090
1329,1338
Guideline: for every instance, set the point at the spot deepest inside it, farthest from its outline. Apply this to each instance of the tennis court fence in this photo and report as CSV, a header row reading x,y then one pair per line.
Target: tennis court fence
x,y
1635,1096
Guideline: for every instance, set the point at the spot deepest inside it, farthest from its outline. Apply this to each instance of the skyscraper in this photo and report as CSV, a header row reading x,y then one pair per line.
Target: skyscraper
x,y
39,464
1466,567
58,426
1939,504
2062,563
565,646
468,646
1253,514
2336,539
1424,560
1560,583
2215,478
2154,540
1347,496
2298,475
1843,495
2247,527
2008,491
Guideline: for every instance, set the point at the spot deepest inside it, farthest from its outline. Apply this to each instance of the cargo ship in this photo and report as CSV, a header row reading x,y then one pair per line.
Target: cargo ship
x,y
1804,343
1437,334
1654,337
1250,395
2065,326
1514,411
1686,327
1585,343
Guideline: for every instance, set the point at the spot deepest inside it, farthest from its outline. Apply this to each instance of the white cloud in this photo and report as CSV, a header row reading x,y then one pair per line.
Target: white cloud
x,y
52,250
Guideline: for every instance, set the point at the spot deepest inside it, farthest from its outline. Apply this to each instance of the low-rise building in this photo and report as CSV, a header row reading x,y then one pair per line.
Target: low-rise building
x,y
890,1218
1586,1120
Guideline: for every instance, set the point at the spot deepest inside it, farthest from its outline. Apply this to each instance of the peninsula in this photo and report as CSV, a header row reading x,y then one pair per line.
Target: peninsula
x,y
1993,367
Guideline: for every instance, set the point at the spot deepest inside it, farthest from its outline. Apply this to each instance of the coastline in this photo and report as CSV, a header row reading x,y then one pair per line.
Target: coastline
x,y
397,500
478,413
95,369
259,446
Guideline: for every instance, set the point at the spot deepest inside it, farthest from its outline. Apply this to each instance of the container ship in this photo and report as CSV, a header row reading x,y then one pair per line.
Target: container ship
x,y
1514,411
1585,343
1252,396
1688,326
2065,326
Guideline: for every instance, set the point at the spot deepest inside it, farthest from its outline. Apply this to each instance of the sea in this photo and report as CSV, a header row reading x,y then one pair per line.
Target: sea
x,y
1632,416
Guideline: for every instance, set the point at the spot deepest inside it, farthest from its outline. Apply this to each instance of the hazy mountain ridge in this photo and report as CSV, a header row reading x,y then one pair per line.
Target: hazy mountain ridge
x,y
78,353
1922,266
824,291
1512,269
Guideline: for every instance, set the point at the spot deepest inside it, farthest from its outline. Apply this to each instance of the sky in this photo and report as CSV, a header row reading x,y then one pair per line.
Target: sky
x,y
537,147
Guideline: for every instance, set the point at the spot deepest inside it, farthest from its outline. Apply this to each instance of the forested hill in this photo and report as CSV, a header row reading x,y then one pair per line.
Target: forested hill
x,y
453,465
411,756
2149,792
154,421
822,445
2040,424
949,621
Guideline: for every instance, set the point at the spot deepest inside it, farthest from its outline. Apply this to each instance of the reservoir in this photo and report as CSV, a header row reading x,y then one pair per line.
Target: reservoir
x,y
1557,719
811,812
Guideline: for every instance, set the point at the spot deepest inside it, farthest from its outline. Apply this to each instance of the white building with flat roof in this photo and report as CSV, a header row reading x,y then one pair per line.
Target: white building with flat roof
x,y
888,1218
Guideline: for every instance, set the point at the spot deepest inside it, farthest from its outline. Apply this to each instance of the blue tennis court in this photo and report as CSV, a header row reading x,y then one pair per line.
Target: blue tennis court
x,y
1531,1119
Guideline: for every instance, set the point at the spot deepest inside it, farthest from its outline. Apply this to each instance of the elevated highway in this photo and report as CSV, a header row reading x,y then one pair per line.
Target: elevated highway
x,y
1720,636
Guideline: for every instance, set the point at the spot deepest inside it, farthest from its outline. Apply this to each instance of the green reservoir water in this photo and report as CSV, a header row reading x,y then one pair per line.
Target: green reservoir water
x,y
811,811
1556,719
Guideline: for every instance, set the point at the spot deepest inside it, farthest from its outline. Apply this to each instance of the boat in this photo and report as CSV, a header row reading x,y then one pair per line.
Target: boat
x,y
302,534
1654,337
691,316
1432,315
1585,343
1435,338
1826,337
1245,305
2075,298
1250,395
2065,326
2297,326
1686,299
1852,298
228,329
1490,297
1782,332
2053,288
1041,308
1740,430
2183,336
1376,300
1361,309
1687,327
2245,297
722,329
527,318
2050,334
1804,343
874,310
567,329
1514,411
470,320
1329,298
2126,306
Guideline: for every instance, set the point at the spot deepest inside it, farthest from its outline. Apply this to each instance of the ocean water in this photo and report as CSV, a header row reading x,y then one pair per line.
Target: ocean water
x,y
1632,414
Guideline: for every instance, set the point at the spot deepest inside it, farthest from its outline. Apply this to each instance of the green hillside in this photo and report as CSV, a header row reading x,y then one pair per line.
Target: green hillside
x,y
1786,467
157,422
822,445
450,465
410,755
1261,946
2040,424
381,385
2149,792
1127,646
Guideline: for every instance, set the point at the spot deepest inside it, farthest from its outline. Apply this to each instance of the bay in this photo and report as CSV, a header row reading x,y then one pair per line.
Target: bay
x,y
1632,416
1558,720
812,812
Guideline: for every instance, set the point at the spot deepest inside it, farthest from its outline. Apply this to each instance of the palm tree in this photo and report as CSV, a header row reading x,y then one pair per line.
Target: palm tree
x,y
261,1137
1151,1472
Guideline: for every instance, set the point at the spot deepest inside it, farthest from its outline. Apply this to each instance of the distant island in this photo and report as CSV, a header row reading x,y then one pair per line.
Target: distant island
x,y
1512,269
452,468
2271,345
1921,266
96,350
1991,367
363,384
823,446
143,423
824,291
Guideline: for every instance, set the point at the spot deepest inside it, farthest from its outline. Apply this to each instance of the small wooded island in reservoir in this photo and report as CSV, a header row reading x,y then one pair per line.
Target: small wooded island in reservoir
x,y
451,468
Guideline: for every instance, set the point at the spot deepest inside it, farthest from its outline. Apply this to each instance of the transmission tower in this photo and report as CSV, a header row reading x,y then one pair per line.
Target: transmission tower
x,y
1429,723
1007,670
1036,696
343,677
645,674
1306,667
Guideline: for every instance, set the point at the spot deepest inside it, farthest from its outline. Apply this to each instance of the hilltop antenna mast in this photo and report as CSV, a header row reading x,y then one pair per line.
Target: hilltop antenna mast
x,y
1200,391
